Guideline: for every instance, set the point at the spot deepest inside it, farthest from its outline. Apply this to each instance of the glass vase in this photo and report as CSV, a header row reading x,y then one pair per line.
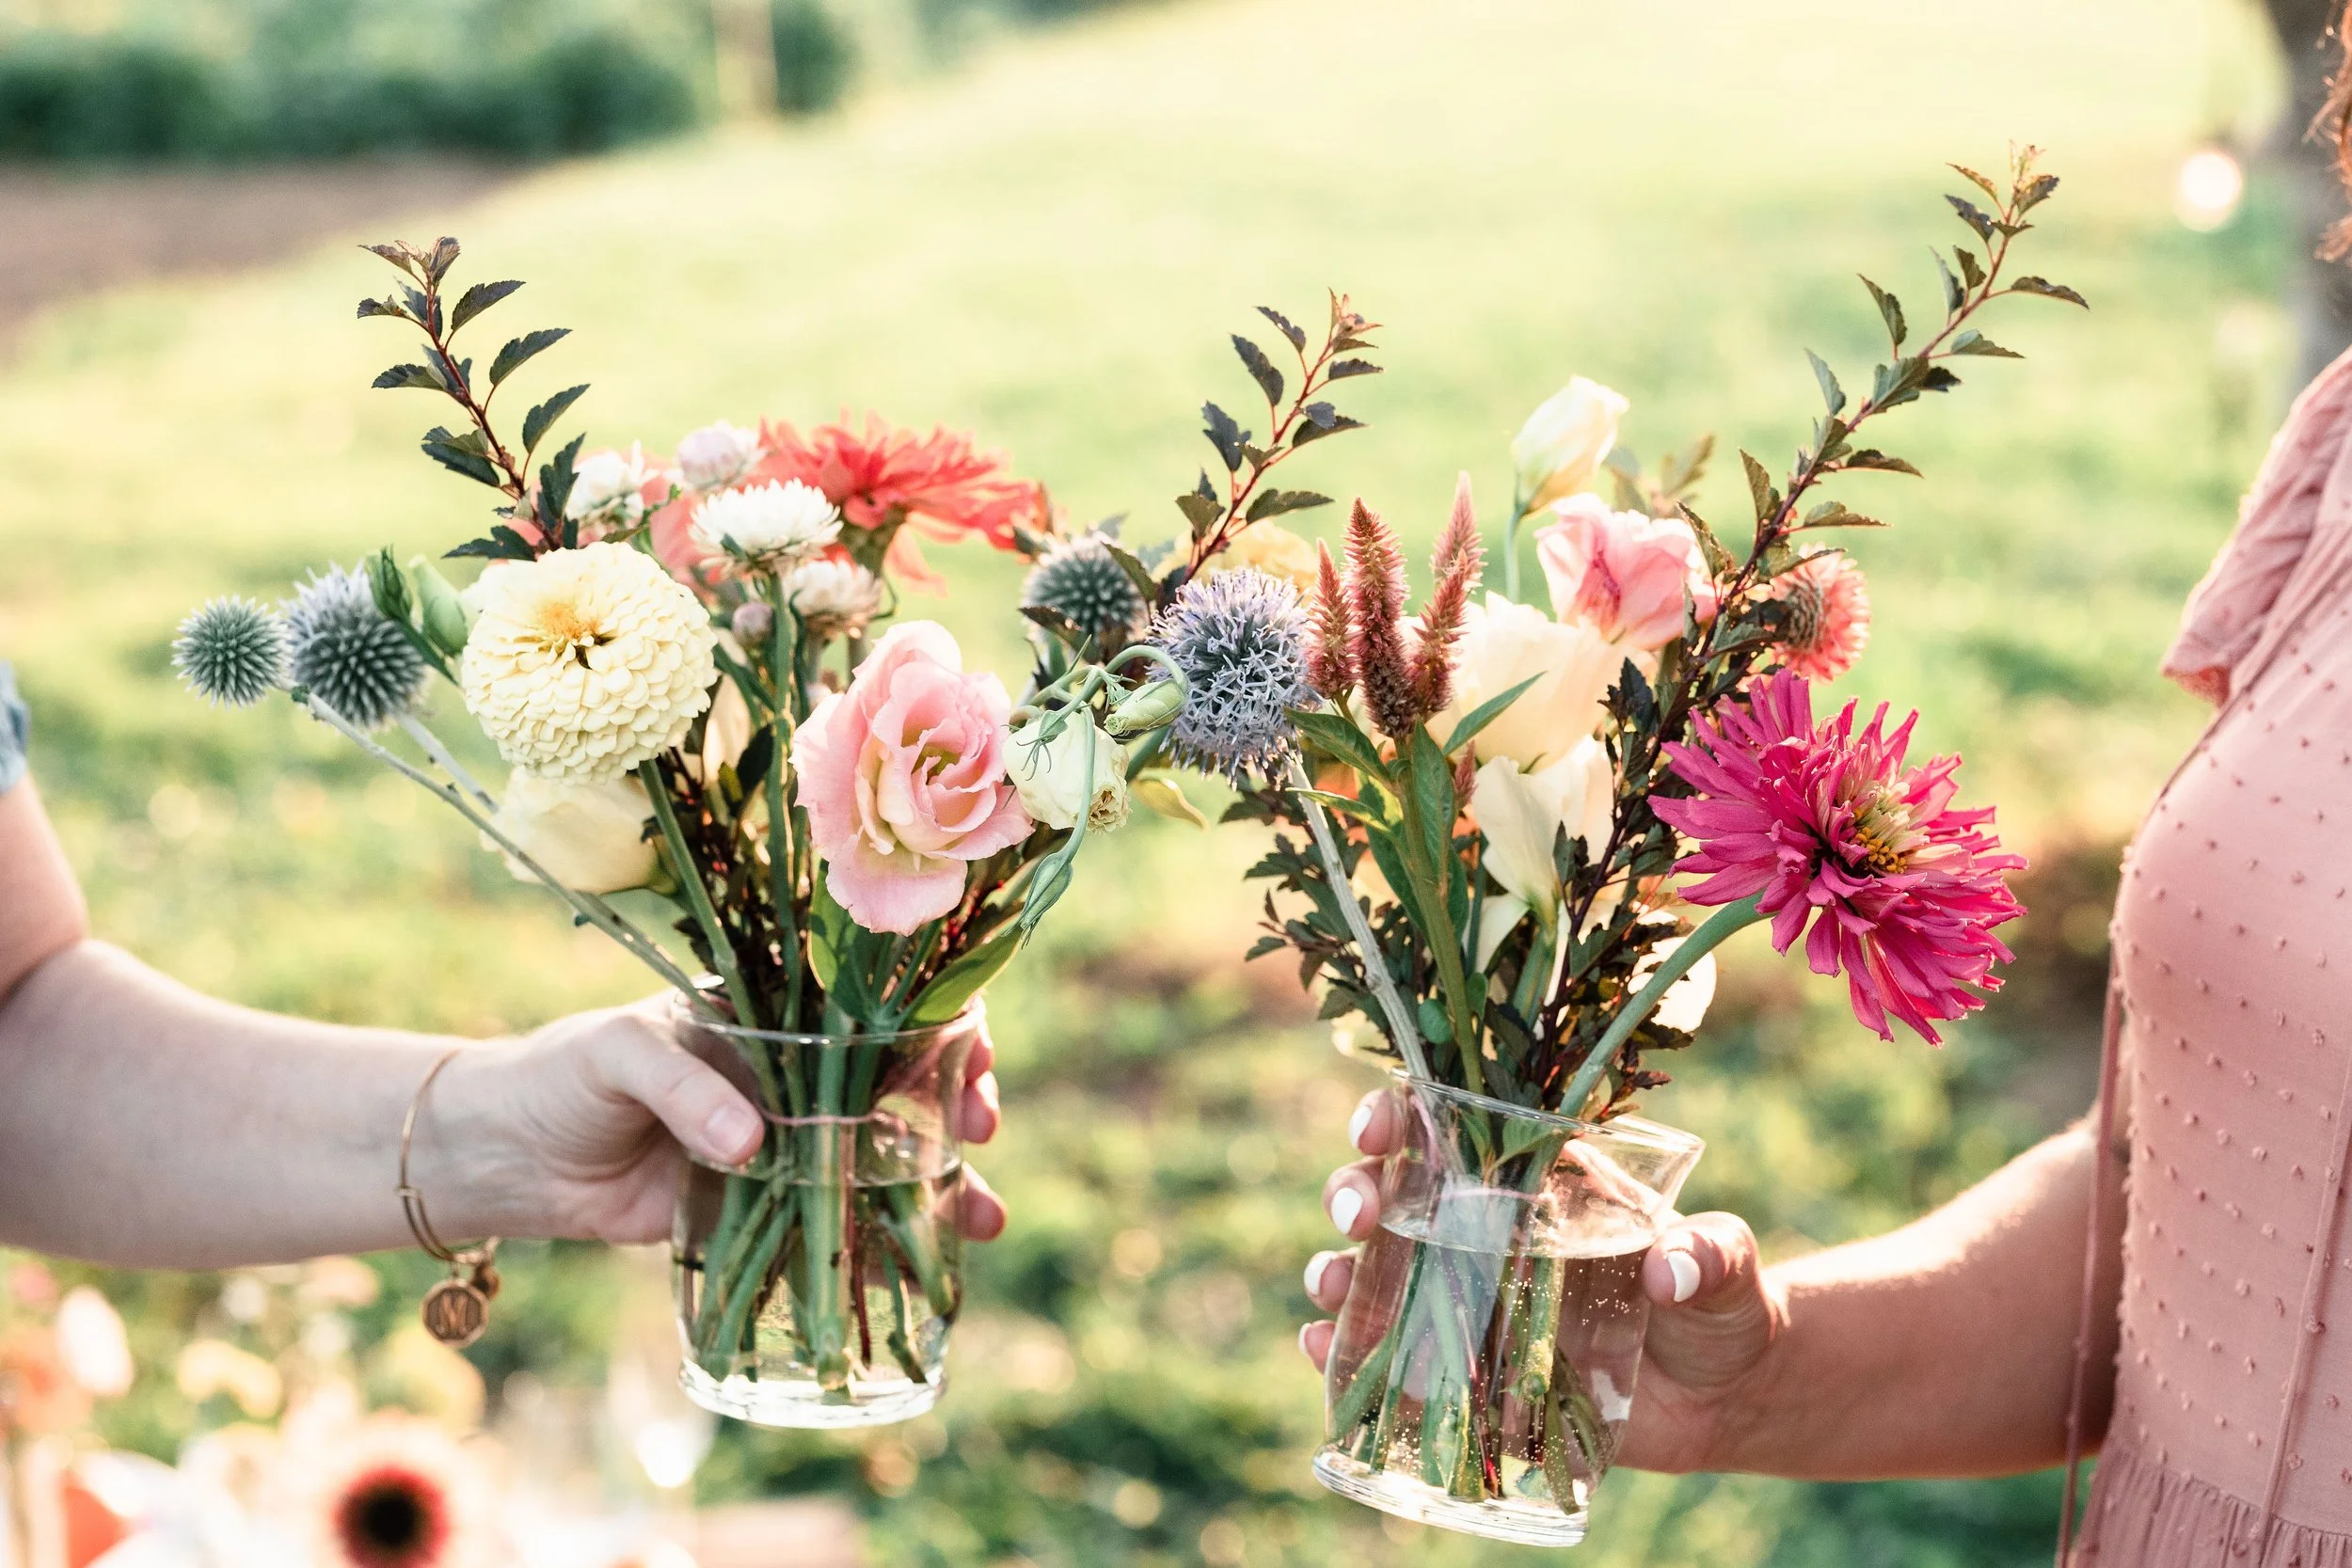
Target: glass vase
x,y
1483,1368
817,1283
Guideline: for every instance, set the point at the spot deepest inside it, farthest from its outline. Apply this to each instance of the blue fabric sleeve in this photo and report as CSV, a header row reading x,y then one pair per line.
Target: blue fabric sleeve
x,y
14,723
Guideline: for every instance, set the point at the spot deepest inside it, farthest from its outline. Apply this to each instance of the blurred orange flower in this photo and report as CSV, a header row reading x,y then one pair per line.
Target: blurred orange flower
x,y
38,1393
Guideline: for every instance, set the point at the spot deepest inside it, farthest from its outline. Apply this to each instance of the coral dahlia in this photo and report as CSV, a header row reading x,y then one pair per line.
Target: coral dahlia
x,y
1828,623
942,484
1826,826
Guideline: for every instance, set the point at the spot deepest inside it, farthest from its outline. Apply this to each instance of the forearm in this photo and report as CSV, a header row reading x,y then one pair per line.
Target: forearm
x,y
142,1124
1946,1348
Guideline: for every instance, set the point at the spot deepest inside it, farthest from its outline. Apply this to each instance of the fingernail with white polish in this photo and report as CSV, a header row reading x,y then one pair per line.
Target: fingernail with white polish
x,y
1346,1204
1302,1341
1357,1123
1315,1266
1685,1269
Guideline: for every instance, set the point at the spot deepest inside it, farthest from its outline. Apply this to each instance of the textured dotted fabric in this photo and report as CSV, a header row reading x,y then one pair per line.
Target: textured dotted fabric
x,y
2233,949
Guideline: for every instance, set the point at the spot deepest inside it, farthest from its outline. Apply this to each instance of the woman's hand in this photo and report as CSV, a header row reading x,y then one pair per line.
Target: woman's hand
x,y
1713,1315
576,1130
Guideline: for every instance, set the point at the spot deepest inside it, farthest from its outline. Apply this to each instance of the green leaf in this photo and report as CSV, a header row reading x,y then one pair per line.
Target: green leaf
x,y
1831,394
1487,713
1837,514
1159,793
1974,341
408,375
536,423
1760,489
1341,369
480,298
1261,369
2048,289
1297,335
1719,561
1315,429
382,308
1970,273
1273,503
1869,457
555,494
391,589
1337,738
2035,193
957,984
1890,312
520,350
500,543
1992,191
458,459
1138,572
1371,812
1201,511
1973,215
1938,378
1433,798
1225,435
439,258
1953,296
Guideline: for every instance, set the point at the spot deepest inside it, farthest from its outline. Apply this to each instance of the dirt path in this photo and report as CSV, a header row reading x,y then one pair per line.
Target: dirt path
x,y
68,234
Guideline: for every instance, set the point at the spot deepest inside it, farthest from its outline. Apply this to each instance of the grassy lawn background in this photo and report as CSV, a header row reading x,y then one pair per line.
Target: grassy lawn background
x,y
1049,248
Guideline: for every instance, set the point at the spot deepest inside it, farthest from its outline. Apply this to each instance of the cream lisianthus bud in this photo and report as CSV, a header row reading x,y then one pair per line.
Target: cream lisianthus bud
x,y
1560,447
1503,644
1051,774
591,837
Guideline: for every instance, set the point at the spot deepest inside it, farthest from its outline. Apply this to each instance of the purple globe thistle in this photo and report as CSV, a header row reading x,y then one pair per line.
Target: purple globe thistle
x,y
1240,636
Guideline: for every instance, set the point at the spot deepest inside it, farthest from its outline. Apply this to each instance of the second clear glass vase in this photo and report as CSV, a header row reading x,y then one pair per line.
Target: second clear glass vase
x,y
1483,1368
817,1284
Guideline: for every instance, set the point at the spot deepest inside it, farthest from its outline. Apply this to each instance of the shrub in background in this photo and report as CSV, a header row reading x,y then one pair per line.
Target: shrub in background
x,y
816,56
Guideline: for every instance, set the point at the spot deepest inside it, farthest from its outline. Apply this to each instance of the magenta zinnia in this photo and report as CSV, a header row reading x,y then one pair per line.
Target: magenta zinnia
x,y
1821,824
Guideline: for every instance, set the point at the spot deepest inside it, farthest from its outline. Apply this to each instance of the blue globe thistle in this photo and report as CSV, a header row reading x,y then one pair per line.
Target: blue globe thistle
x,y
231,651
340,646
1240,636
1080,580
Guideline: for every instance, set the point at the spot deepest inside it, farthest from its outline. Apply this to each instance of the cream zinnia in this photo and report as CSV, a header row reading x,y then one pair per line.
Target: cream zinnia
x,y
584,663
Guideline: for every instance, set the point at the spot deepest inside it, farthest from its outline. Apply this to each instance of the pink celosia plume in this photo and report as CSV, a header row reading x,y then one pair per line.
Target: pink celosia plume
x,y
1824,826
1375,618
1458,565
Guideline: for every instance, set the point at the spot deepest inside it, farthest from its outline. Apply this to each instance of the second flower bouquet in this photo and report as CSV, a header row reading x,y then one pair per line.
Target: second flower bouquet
x,y
686,667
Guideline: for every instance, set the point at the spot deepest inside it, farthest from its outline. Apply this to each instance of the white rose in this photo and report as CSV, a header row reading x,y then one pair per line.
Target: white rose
x,y
772,524
716,455
1560,447
1503,644
1051,775
591,837
607,485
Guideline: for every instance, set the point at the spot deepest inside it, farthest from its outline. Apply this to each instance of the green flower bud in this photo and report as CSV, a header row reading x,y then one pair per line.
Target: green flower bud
x,y
1146,709
444,613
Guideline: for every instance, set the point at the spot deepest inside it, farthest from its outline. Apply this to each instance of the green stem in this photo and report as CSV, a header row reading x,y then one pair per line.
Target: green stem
x,y
1398,1017
590,908
689,875
1445,946
1511,545
1710,936
824,1203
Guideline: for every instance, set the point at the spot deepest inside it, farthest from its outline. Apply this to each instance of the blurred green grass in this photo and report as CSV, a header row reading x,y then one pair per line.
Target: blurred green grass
x,y
1049,248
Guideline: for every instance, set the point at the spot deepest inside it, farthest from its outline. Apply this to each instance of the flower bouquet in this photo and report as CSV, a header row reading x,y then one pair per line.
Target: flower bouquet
x,y
1500,828
684,667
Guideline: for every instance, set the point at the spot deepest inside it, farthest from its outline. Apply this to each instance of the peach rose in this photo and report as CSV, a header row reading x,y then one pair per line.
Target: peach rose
x,y
903,779
1623,572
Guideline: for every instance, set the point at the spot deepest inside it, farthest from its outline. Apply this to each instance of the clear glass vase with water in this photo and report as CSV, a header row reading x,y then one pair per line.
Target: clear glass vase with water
x,y
1483,1368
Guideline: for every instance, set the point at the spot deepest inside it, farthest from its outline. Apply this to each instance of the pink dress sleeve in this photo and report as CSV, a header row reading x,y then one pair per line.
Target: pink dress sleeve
x,y
2228,611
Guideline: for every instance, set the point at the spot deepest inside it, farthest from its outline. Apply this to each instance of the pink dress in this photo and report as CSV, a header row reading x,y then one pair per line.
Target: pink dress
x,y
2231,1442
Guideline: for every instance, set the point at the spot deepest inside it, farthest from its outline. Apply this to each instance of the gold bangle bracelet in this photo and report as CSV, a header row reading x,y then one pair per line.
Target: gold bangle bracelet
x,y
458,1310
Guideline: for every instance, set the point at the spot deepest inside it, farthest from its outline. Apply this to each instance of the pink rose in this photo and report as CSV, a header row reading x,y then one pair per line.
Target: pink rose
x,y
903,779
1623,572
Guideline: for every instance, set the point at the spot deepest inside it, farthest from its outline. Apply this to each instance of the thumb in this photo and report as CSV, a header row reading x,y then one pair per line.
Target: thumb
x,y
636,1056
1715,1316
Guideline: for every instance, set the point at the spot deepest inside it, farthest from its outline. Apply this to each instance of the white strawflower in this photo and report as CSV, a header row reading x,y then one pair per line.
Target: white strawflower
x,y
608,488
716,455
769,525
832,599
586,663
